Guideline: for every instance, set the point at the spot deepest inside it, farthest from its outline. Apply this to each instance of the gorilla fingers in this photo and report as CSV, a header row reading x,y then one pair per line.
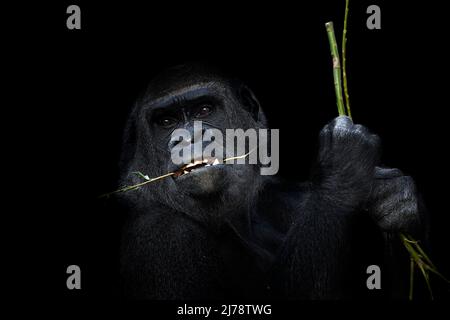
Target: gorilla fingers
x,y
348,154
394,202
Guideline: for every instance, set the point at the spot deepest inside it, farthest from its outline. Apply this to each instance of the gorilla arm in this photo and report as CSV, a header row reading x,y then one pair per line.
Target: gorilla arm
x,y
315,259
397,207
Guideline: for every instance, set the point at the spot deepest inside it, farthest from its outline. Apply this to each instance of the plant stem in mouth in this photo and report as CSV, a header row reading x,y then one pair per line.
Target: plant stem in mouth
x,y
133,187
128,188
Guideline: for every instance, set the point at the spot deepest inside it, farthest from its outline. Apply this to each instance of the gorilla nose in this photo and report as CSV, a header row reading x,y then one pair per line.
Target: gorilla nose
x,y
180,142
186,140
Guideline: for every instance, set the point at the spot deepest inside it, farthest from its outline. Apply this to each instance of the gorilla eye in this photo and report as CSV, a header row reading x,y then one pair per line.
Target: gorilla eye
x,y
166,121
204,110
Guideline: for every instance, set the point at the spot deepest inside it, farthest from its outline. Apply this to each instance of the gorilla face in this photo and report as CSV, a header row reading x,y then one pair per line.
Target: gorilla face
x,y
205,102
174,101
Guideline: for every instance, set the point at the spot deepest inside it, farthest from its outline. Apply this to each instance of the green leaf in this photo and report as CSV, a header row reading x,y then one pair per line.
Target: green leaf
x,y
140,174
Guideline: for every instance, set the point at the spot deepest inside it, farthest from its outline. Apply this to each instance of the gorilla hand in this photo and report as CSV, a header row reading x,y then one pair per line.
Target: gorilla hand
x,y
348,154
394,203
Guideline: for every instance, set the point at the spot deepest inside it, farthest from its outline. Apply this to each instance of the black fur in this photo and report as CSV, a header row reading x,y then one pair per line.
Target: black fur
x,y
235,233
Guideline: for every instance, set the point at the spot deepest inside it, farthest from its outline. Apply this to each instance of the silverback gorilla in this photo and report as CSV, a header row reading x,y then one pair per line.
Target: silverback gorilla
x,y
229,232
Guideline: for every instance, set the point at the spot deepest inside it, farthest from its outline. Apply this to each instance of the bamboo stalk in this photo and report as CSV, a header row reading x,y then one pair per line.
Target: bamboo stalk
x,y
336,67
344,60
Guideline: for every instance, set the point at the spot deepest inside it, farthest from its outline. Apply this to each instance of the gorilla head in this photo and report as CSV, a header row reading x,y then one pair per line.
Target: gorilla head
x,y
173,100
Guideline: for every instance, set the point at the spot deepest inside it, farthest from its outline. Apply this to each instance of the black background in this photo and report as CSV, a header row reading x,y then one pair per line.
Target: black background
x,y
78,86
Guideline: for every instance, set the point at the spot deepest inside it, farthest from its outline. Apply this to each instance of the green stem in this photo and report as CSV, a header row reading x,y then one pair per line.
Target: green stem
x,y
427,279
336,67
428,260
421,260
411,278
344,60
128,188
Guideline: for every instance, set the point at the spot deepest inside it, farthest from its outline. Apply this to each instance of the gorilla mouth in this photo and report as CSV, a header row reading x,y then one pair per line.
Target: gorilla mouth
x,y
195,166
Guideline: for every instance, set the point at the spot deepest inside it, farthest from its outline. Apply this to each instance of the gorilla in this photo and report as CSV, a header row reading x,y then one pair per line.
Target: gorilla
x,y
229,232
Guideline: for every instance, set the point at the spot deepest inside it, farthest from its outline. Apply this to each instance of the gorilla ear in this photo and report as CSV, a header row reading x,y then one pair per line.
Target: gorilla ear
x,y
249,102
